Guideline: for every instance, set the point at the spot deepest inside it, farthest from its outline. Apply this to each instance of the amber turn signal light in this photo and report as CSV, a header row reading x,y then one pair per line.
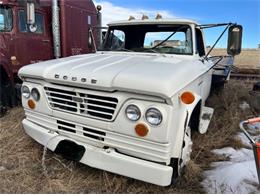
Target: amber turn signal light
x,y
31,104
187,97
141,130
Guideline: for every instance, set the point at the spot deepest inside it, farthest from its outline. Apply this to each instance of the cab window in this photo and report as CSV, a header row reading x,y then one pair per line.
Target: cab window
x,y
39,22
170,39
6,19
200,44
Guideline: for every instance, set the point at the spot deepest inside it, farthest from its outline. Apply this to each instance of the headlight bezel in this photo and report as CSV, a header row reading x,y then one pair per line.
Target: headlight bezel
x,y
23,89
138,112
154,110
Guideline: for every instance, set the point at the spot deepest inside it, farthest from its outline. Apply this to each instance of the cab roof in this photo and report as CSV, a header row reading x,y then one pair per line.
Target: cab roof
x,y
152,21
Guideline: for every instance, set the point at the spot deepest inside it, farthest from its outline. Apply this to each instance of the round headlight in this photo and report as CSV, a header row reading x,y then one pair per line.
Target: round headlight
x,y
133,112
25,91
153,116
35,94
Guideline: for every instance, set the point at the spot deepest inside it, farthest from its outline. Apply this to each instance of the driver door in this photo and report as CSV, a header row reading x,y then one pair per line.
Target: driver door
x,y
32,47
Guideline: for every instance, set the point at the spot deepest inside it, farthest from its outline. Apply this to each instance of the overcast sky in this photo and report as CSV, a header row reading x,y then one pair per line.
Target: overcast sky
x,y
245,12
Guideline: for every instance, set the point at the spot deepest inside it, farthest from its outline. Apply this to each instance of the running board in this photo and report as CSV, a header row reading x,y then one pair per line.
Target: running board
x,y
205,118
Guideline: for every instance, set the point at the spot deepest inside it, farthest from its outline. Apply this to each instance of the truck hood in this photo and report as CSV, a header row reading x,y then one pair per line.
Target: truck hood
x,y
152,74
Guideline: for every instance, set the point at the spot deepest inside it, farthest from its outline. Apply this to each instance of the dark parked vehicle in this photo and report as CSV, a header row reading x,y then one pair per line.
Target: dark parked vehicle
x,y
36,30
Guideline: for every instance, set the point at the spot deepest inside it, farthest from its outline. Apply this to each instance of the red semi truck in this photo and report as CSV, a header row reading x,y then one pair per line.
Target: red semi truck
x,y
36,30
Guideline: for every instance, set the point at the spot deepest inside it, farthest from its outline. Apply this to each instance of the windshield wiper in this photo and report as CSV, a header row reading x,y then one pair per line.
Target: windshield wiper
x,y
162,42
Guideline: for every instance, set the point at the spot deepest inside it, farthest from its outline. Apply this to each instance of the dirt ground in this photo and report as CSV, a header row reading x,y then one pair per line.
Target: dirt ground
x,y
23,170
248,59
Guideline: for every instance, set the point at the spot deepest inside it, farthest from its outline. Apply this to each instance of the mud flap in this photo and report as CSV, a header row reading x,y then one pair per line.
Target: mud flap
x,y
70,150
205,117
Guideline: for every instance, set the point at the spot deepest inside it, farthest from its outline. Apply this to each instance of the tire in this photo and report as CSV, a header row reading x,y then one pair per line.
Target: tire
x,y
179,164
3,100
7,96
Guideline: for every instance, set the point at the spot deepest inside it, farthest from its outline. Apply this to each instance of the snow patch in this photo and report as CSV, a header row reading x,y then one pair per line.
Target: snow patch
x,y
244,140
244,106
239,175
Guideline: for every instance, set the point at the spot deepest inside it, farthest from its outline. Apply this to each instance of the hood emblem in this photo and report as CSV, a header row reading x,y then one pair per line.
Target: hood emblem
x,y
78,99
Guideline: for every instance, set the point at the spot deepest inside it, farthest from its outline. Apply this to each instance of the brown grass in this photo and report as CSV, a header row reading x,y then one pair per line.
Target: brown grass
x,y
248,59
21,157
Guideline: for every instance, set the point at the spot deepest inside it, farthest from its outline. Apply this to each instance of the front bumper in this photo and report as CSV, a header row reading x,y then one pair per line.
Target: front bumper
x,y
105,159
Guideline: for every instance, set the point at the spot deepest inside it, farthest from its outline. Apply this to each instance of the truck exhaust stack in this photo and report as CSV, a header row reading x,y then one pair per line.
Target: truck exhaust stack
x,y
56,29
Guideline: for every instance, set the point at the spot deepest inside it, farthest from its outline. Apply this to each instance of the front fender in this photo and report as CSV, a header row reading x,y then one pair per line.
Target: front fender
x,y
185,112
190,107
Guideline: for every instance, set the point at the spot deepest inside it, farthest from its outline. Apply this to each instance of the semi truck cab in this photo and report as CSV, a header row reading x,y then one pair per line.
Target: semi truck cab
x,y
34,31
20,46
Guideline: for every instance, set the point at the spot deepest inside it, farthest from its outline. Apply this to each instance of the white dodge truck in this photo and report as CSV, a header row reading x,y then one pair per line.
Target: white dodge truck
x,y
131,108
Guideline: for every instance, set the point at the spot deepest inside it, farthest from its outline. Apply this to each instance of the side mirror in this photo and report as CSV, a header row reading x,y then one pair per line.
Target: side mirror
x,y
234,40
30,13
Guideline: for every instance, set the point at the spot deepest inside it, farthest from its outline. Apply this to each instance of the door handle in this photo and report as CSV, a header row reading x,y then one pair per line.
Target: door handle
x,y
45,40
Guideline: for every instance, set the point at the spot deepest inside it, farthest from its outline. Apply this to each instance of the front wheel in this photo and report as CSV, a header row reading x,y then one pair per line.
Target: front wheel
x,y
179,164
7,96
3,100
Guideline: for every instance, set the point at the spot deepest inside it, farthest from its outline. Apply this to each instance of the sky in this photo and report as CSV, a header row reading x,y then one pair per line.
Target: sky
x,y
244,12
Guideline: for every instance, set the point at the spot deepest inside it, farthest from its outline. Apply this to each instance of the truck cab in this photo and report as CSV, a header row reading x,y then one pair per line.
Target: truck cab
x,y
20,46
23,43
130,109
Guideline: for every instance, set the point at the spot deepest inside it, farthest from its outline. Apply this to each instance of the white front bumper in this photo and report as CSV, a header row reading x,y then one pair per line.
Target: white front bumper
x,y
106,159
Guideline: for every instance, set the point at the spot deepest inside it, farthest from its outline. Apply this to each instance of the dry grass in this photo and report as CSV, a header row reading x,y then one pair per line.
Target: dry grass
x,y
23,172
248,59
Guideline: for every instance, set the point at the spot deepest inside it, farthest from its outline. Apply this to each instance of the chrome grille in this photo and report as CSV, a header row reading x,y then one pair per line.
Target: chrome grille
x,y
91,105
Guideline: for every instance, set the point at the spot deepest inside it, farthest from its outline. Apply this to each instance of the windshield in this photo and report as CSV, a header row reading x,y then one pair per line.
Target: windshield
x,y
169,39
6,19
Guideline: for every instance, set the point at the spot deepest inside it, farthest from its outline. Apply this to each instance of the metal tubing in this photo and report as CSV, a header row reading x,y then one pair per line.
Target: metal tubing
x,y
99,29
56,29
217,41
241,125
257,163
255,144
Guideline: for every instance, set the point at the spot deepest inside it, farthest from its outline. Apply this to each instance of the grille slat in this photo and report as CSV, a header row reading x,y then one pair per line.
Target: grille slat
x,y
63,105
57,94
91,133
58,98
98,100
95,105
66,126
98,112
90,105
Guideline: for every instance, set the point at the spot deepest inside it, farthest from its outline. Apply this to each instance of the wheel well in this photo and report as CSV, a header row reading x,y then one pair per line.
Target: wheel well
x,y
195,117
